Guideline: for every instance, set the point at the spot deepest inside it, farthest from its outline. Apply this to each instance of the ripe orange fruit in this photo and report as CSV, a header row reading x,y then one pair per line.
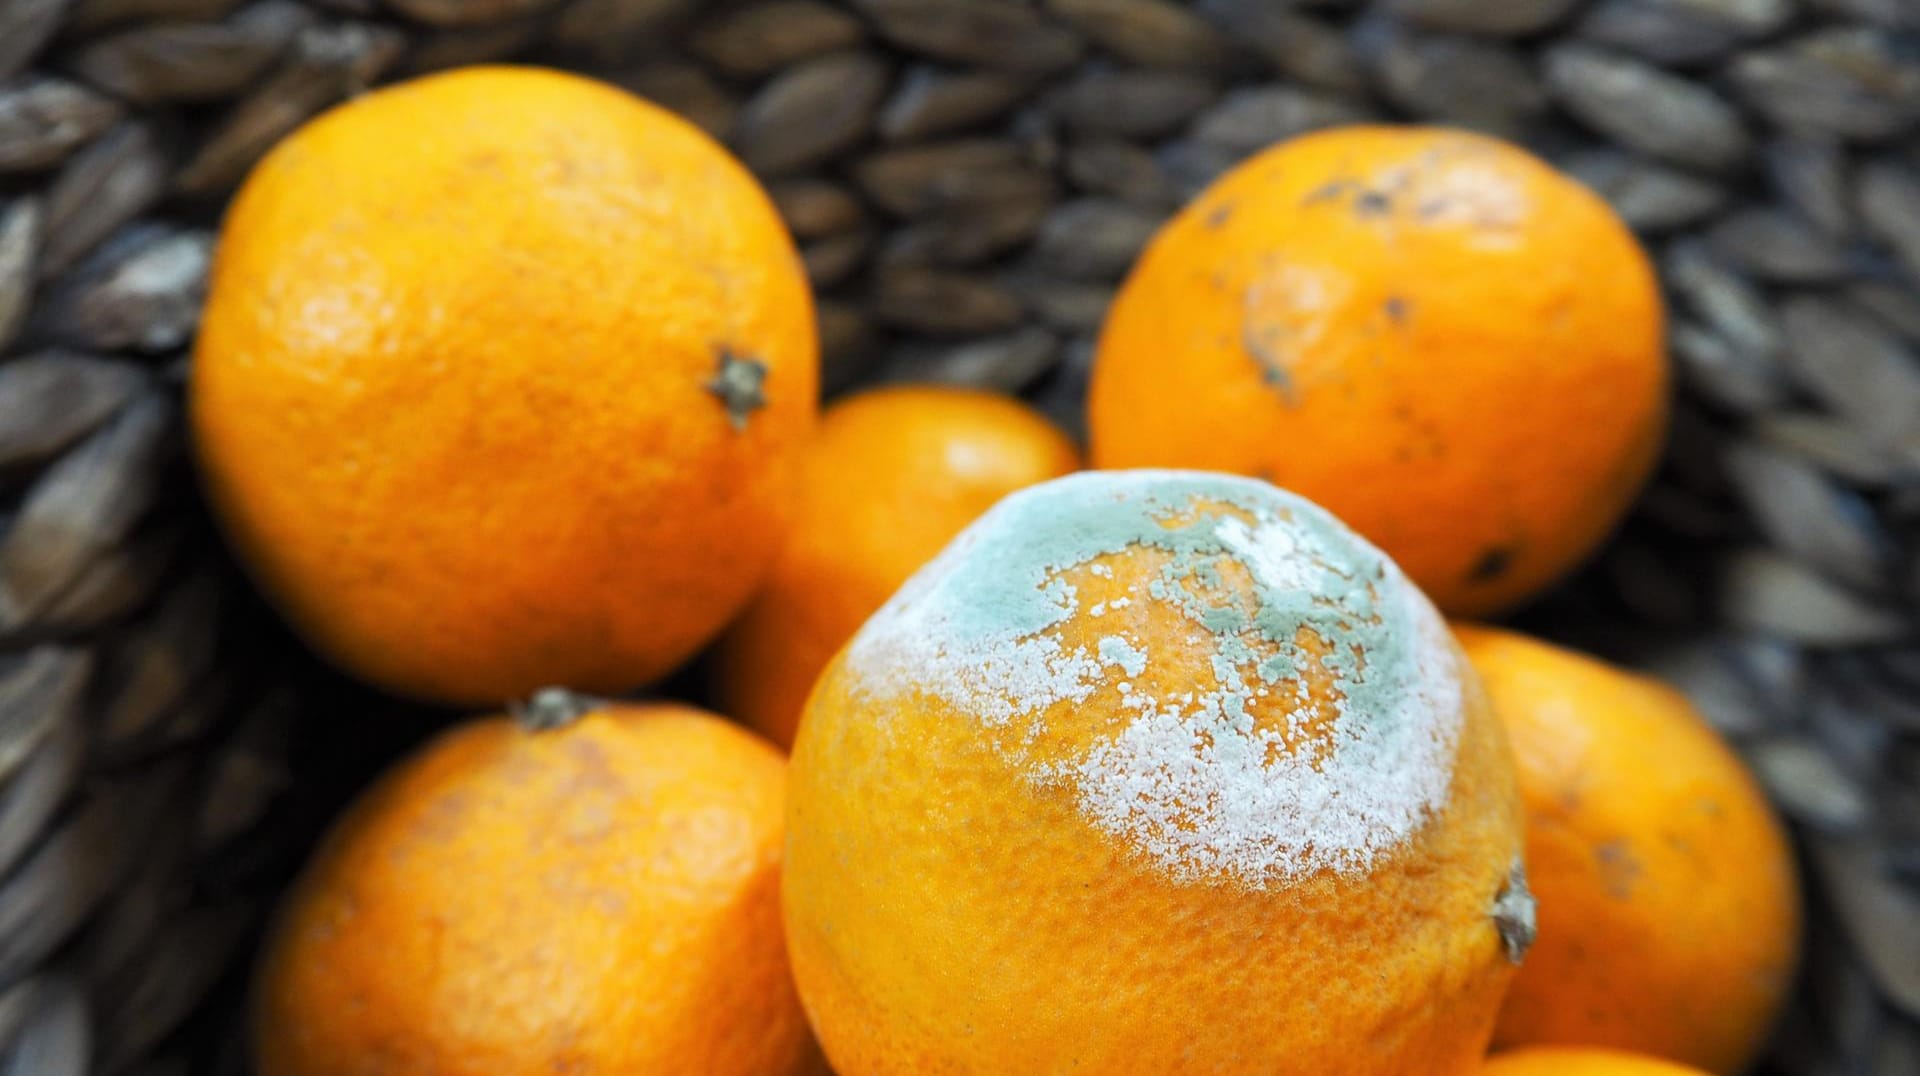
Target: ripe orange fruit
x,y
1669,911
1153,772
1546,1061
501,383
890,477
1448,344
600,896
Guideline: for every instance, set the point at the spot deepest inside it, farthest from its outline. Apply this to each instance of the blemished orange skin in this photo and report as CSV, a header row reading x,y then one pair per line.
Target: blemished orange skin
x,y
890,477
1451,346
1573,1061
598,898
1669,907
946,916
452,393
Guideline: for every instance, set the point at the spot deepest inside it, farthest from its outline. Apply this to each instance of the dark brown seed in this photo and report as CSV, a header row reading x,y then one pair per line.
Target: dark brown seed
x,y
1811,174
1893,14
1122,170
84,504
834,258
810,112
1732,307
616,31
1192,164
118,581
41,690
50,401
1131,103
191,61
1832,443
39,786
1896,307
1248,120
466,12
1482,16
1649,196
685,89
326,64
445,50
1807,515
763,38
848,345
816,207
1644,108
1853,365
1304,48
1744,381
1846,81
969,234
91,16
1809,785
1006,363
1093,238
56,1034
140,291
19,242
931,101
188,957
1774,245
1765,593
1889,203
1070,306
1001,34
25,28
1682,31
931,179
1881,916
943,304
1704,670
1479,84
102,187
42,120
155,668
1155,33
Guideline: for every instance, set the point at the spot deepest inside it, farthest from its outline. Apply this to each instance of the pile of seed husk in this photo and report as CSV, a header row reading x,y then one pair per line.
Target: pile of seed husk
x,y
968,180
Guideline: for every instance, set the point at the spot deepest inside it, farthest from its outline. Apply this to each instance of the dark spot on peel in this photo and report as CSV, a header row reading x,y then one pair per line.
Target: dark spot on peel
x,y
1327,192
1219,215
1619,868
1396,309
1273,370
1492,564
1373,204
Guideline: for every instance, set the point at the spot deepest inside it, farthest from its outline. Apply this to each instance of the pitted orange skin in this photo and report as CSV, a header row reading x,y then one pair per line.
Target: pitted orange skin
x,y
1451,346
454,391
1669,906
601,898
891,476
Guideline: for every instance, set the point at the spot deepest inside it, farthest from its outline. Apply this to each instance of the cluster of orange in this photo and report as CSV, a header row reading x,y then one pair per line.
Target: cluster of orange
x,y
507,382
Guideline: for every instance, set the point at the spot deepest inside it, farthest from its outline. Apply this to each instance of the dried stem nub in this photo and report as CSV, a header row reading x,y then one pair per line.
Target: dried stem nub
x,y
1514,913
552,708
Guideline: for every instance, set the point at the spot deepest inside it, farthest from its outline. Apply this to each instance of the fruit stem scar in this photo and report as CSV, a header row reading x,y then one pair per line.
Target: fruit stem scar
x,y
741,385
1515,913
552,708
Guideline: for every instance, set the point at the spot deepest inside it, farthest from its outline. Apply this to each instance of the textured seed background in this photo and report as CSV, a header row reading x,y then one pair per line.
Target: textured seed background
x,y
968,179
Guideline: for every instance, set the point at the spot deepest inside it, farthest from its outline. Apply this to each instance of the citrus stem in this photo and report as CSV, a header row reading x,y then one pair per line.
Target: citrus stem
x,y
552,708
1514,914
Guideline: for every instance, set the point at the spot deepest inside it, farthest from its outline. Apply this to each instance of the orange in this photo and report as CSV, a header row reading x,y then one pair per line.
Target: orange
x,y
1434,335
1576,1062
502,382
591,892
890,477
1669,910
1153,772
